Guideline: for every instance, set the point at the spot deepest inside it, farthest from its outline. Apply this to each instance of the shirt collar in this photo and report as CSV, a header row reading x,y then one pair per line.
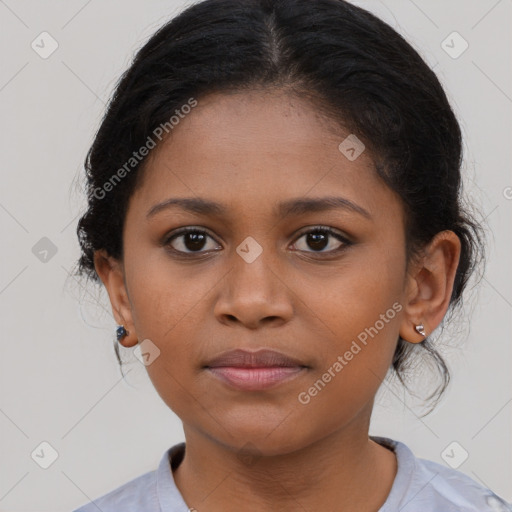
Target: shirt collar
x,y
171,499
169,496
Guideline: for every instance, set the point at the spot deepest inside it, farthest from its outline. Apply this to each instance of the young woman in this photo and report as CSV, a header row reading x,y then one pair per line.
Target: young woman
x,y
275,212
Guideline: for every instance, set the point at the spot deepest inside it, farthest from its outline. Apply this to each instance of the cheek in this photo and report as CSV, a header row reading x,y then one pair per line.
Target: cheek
x,y
353,367
360,316
357,297
165,296
168,309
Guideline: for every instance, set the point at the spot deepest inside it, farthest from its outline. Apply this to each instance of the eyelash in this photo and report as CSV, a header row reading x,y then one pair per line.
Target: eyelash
x,y
314,229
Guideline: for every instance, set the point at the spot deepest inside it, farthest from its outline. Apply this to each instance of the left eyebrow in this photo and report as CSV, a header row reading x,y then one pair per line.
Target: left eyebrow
x,y
319,204
284,209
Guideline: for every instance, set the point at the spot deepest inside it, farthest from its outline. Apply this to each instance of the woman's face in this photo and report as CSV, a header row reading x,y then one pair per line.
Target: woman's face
x,y
256,279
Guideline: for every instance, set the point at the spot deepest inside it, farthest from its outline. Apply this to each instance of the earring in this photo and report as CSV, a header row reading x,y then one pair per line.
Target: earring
x,y
121,332
420,329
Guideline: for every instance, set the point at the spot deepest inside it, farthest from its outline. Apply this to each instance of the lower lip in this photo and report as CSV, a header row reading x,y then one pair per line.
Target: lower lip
x,y
255,379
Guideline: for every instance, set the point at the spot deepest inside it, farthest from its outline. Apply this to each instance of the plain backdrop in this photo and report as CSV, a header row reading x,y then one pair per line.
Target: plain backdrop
x,y
60,381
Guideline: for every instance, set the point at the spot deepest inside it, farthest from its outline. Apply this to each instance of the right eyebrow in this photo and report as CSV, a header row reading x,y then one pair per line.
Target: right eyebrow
x,y
191,204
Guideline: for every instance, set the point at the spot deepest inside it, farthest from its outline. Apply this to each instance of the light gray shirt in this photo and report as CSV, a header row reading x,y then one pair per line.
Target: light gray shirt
x,y
419,486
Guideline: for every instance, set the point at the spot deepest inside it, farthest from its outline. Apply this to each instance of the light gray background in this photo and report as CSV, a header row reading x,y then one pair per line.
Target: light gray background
x,y
59,378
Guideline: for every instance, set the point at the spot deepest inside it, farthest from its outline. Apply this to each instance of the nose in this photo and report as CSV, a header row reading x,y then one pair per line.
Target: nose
x,y
254,294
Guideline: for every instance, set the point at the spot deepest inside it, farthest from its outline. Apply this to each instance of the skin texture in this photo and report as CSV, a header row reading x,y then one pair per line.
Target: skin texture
x,y
264,450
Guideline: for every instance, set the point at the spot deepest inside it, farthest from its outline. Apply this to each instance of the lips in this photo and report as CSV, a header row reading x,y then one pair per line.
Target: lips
x,y
263,358
255,371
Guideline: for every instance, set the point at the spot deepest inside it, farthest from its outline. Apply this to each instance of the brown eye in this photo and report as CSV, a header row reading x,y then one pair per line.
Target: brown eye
x,y
320,239
317,240
190,241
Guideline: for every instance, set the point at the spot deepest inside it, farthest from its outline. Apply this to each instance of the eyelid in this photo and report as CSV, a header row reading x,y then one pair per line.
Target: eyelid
x,y
326,229
187,229
183,231
306,230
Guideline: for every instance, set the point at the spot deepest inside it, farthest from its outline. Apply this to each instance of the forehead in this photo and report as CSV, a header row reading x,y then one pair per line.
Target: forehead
x,y
254,123
259,147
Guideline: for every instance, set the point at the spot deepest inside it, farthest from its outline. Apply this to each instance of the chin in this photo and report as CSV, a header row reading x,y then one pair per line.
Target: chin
x,y
262,440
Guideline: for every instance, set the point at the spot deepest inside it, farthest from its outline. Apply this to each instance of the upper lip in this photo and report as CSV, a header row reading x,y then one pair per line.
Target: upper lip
x,y
253,359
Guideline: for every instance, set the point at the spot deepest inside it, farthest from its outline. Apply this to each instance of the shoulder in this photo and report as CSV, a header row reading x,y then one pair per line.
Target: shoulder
x,y
426,486
137,494
449,487
151,492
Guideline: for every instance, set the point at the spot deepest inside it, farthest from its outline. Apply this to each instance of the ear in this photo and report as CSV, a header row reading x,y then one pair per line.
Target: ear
x,y
429,286
111,273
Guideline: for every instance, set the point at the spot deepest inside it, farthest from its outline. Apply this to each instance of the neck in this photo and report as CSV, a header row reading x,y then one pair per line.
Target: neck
x,y
343,471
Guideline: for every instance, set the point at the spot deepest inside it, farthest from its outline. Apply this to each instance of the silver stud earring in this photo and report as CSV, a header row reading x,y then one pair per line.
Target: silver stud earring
x,y
421,329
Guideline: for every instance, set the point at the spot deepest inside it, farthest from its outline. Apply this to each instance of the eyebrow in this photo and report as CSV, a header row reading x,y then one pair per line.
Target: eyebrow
x,y
284,209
